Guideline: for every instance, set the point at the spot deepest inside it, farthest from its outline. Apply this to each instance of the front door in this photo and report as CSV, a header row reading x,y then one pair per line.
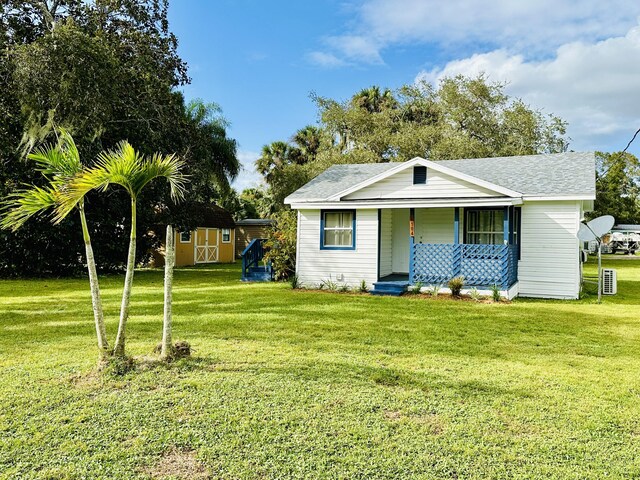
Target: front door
x,y
400,240
206,245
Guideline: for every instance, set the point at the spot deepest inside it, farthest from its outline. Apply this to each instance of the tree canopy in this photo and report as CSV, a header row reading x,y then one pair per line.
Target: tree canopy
x,y
617,187
106,71
461,117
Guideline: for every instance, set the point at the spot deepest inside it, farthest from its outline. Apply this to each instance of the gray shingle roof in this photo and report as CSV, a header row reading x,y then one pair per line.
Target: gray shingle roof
x,y
559,174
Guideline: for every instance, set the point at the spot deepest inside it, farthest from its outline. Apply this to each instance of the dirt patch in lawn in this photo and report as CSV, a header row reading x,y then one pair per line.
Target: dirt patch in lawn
x,y
182,464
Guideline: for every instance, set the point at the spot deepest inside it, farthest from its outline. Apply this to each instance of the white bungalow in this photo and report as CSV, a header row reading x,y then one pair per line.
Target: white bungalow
x,y
506,221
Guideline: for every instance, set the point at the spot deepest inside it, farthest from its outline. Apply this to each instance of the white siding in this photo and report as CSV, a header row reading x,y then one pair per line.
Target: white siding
x,y
341,266
549,265
438,185
434,225
385,243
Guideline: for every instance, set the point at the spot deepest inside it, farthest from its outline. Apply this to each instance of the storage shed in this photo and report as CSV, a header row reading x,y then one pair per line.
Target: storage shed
x,y
250,229
211,242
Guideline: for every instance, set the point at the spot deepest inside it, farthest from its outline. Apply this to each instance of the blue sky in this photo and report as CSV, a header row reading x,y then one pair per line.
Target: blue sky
x,y
260,60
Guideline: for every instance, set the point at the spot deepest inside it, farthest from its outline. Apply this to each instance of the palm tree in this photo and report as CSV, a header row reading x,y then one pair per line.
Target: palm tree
x,y
308,140
59,164
373,100
132,171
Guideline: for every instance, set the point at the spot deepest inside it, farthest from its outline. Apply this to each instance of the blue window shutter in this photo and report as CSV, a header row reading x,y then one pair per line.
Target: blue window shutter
x,y
419,175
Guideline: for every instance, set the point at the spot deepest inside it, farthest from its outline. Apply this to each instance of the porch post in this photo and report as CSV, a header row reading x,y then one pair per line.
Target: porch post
x,y
506,224
412,233
456,225
512,224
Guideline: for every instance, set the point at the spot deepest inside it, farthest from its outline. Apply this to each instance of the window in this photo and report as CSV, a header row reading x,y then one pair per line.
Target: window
x,y
226,235
419,175
484,227
338,230
185,237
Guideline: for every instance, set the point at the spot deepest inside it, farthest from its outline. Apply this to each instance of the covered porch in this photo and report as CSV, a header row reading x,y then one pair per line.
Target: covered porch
x,y
430,246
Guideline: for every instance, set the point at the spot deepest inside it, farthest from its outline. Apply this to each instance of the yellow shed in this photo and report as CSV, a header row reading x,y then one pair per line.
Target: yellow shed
x,y
212,242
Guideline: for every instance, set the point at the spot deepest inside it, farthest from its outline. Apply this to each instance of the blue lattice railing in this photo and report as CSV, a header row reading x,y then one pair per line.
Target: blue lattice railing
x,y
480,265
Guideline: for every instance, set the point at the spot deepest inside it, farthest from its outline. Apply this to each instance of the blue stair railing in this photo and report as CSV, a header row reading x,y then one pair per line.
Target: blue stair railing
x,y
252,271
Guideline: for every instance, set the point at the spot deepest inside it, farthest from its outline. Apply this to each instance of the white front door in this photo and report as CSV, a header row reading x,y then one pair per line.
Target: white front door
x,y
206,245
400,240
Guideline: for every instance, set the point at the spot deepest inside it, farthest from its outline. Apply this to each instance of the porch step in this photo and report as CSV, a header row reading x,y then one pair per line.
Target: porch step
x,y
258,274
257,277
389,288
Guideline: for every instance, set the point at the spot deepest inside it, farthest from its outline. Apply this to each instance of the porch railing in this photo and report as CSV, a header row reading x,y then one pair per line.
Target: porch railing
x,y
480,265
252,256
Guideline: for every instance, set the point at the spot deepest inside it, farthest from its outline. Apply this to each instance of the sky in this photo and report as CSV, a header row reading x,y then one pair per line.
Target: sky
x,y
260,60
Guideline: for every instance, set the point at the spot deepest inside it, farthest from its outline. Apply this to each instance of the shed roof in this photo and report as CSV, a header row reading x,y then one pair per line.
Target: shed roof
x,y
209,215
560,174
255,221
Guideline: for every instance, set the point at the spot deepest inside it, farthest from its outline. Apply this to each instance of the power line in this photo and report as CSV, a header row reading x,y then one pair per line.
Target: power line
x,y
631,141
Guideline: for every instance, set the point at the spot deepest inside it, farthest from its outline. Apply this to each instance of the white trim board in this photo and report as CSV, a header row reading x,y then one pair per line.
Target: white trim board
x,y
410,203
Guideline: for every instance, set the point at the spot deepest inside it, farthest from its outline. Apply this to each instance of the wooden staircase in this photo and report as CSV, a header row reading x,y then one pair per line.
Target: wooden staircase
x,y
252,271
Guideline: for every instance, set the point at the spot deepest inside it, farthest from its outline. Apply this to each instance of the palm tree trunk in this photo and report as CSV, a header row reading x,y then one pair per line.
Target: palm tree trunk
x,y
169,261
118,349
98,314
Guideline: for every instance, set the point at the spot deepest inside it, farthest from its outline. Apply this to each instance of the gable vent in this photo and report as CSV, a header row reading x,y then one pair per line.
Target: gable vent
x,y
419,175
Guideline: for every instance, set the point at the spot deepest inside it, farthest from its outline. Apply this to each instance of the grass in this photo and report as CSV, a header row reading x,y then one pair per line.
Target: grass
x,y
294,384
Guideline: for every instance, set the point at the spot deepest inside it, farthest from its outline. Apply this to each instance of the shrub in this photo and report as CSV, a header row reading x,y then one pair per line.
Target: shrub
x,y
329,284
281,244
455,285
362,288
343,288
475,294
294,281
435,290
495,292
416,288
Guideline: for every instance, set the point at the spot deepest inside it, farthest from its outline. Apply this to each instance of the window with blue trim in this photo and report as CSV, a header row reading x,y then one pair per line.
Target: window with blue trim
x,y
484,226
338,229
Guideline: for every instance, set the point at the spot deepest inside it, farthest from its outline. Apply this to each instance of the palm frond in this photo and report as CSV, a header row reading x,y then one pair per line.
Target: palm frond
x,y
77,187
59,161
21,205
164,166
125,167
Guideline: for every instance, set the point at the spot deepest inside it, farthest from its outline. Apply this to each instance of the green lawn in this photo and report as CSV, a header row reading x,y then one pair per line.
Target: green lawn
x,y
295,384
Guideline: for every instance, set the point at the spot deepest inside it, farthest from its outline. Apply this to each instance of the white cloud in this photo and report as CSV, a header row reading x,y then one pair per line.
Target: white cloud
x,y
592,86
536,23
359,48
326,60
248,176
533,27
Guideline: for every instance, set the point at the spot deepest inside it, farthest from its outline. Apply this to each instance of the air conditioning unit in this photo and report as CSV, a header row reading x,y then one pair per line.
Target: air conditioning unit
x,y
609,281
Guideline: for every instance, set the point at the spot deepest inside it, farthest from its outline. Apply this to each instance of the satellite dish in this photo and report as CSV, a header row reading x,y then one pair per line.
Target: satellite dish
x,y
585,234
601,225
594,230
